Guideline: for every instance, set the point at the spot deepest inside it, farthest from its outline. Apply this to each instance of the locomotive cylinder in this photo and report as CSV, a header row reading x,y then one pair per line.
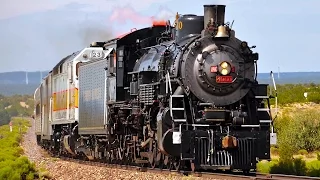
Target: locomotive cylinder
x,y
216,12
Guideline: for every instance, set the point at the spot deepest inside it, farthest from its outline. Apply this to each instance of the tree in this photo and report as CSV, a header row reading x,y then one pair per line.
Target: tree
x,y
4,117
12,111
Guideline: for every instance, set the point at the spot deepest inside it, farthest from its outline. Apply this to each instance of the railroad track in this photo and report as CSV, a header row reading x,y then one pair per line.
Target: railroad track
x,y
206,175
285,177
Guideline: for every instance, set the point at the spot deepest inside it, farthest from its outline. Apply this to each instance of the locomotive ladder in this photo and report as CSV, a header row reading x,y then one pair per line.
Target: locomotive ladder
x,y
179,117
262,111
176,117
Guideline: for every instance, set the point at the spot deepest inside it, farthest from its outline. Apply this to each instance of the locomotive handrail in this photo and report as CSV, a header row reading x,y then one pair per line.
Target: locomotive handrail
x,y
276,93
168,84
273,135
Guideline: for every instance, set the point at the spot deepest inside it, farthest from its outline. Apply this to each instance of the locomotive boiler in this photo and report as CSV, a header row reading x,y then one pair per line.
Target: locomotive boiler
x,y
182,97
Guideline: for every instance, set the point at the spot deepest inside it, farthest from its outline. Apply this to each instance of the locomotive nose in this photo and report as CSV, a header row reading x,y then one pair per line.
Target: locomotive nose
x,y
215,68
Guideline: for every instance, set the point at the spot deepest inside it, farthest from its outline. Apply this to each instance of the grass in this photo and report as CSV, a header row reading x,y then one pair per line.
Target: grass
x,y
13,165
302,163
296,166
294,93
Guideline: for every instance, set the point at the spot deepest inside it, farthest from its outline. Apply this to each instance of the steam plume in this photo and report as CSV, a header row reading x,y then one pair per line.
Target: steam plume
x,y
95,32
127,13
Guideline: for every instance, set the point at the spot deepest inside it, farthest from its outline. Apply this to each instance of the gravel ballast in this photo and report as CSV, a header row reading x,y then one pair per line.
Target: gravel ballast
x,y
56,168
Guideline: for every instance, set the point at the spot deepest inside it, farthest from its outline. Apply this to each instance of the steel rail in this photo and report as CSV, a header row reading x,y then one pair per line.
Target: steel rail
x,y
286,177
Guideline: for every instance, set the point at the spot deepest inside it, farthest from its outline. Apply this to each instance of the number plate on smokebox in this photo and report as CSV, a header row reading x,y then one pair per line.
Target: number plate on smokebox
x,y
224,79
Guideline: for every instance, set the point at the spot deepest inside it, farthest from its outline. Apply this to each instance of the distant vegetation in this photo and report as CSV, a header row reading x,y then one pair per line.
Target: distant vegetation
x,y
17,105
294,93
12,164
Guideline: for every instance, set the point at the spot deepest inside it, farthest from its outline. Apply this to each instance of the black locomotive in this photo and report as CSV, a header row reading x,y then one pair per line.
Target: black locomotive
x,y
182,96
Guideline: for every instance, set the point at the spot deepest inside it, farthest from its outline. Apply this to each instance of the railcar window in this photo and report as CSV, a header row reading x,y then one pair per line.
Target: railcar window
x,y
120,52
37,109
77,68
112,63
120,59
114,60
55,71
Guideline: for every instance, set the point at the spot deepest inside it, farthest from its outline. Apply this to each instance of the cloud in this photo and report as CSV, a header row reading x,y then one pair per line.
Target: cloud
x,y
12,8
127,13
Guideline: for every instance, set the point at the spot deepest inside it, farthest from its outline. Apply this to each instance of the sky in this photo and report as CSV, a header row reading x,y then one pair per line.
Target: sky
x,y
37,34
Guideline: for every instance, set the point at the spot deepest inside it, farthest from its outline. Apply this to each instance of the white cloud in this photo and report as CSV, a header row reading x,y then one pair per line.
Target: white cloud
x,y
165,13
12,8
127,13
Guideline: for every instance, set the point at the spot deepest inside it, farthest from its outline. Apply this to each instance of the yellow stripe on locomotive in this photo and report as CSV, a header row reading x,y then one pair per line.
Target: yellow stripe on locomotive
x,y
60,99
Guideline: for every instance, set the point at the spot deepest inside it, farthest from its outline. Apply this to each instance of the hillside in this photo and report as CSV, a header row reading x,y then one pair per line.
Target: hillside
x,y
16,105
19,89
12,83
20,77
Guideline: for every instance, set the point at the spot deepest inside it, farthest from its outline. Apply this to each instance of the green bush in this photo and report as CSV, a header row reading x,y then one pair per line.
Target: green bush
x,y
303,152
12,164
298,131
4,117
264,166
313,168
274,150
286,137
19,168
291,167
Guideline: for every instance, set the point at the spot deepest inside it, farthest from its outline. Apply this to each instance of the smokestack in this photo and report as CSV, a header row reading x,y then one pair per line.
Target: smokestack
x,y
216,12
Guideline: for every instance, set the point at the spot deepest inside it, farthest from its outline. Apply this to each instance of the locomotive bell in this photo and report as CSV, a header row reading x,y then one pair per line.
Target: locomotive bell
x,y
222,32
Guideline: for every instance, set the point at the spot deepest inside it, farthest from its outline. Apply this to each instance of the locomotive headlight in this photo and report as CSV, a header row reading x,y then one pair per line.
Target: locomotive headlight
x,y
224,72
225,68
224,65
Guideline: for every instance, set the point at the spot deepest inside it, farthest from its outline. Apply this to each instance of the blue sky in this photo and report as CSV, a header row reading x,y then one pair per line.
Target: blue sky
x,y
36,34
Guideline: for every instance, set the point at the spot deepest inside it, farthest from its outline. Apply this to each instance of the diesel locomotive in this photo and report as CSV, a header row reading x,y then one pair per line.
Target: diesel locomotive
x,y
182,96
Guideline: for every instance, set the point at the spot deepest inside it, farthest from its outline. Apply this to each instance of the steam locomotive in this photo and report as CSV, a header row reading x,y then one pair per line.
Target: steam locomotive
x,y
182,96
